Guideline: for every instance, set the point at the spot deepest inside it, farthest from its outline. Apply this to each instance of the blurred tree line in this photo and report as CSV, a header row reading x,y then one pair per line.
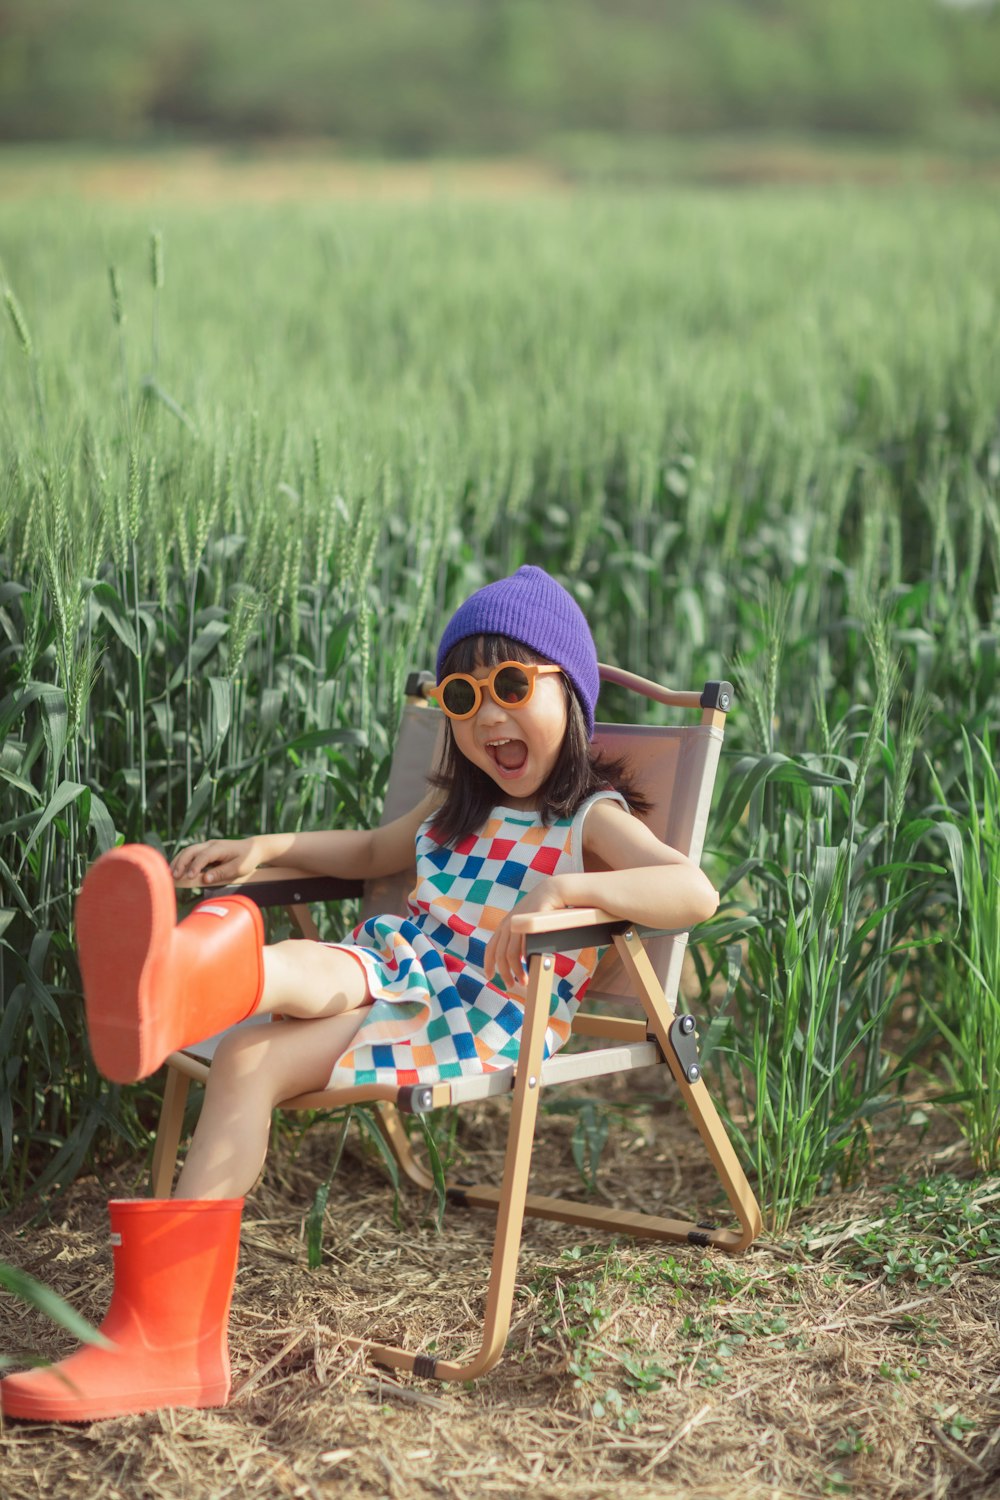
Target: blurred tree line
x,y
418,76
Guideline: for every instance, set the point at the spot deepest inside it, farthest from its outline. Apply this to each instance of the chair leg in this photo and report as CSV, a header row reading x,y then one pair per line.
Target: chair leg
x,y
700,1106
510,1205
168,1135
707,1122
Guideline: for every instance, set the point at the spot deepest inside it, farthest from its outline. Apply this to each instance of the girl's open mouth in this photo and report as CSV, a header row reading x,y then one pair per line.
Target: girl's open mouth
x,y
509,756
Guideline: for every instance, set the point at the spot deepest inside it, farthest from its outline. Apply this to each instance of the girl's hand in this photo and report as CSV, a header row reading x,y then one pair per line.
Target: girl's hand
x,y
217,862
505,949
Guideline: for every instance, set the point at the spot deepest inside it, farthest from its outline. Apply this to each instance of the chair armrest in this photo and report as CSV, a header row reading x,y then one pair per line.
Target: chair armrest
x,y
578,927
557,921
276,885
583,916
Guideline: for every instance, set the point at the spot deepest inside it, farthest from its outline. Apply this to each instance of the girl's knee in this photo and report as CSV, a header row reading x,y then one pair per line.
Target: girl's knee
x,y
280,959
287,949
254,1062
242,1051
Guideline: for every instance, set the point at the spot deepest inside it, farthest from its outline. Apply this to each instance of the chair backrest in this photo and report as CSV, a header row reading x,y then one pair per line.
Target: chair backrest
x,y
418,745
674,766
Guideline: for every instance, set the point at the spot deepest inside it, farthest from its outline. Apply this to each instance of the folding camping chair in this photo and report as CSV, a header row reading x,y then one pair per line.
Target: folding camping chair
x,y
675,767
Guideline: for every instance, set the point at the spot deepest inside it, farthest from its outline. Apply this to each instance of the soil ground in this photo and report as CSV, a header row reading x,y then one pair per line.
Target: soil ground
x,y
858,1353
285,171
212,174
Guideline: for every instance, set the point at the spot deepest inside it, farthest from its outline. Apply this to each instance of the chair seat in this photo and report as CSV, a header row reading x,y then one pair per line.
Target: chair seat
x,y
564,1067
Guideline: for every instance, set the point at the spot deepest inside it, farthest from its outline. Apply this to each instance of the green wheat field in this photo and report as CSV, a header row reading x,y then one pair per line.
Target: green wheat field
x,y
251,458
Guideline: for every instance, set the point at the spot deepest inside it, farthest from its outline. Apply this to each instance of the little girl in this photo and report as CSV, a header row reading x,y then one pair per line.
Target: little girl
x,y
523,815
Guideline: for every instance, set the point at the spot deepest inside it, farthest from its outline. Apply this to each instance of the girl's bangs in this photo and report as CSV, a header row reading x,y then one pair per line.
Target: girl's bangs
x,y
484,652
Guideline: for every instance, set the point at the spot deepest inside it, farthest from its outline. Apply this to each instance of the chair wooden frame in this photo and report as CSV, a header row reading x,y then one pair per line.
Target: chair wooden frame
x,y
659,1037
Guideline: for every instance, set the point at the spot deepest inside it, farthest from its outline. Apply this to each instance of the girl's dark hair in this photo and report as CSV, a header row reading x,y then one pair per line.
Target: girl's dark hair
x,y
580,770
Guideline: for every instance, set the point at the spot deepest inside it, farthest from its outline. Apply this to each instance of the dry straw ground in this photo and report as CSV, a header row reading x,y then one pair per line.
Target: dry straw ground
x,y
811,1366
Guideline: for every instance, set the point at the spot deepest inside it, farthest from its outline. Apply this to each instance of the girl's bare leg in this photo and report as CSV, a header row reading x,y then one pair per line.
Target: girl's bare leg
x,y
307,979
253,1070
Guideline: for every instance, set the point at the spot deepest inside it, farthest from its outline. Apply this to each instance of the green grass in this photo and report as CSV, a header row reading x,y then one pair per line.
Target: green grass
x,y
252,458
966,1005
32,1293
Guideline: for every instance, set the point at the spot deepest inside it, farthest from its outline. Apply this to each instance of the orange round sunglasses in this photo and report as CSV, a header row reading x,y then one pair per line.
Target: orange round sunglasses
x,y
510,684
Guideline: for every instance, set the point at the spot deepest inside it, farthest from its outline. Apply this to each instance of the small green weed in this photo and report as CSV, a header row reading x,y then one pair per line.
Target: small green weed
x,y
953,1424
905,1373
929,1229
574,1310
923,1332
852,1442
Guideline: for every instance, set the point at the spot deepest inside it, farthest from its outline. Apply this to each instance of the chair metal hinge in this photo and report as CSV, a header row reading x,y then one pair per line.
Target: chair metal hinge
x,y
458,1196
424,1365
415,1099
698,1237
682,1039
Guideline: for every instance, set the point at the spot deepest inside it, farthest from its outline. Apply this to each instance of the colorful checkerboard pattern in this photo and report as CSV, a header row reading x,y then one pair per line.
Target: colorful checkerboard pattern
x,y
436,1015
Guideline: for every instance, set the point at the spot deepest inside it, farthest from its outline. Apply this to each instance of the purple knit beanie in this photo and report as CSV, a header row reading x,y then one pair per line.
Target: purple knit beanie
x,y
532,608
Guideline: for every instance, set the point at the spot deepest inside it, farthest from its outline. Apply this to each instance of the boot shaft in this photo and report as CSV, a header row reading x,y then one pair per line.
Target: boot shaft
x,y
174,1265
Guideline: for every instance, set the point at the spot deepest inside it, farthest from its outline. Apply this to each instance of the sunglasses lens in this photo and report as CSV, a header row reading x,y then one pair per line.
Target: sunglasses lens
x,y
459,697
512,685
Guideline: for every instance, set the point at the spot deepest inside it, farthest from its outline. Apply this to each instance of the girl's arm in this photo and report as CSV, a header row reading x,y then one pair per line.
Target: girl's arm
x,y
348,854
644,881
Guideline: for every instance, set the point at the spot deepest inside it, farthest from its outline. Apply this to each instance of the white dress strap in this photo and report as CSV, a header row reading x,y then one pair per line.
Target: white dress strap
x,y
580,817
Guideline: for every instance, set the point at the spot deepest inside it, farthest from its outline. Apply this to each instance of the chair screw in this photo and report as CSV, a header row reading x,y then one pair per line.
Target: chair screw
x,y
687,1024
546,963
532,1083
694,1073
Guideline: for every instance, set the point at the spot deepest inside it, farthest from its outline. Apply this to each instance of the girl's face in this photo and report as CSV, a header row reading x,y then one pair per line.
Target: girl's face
x,y
517,747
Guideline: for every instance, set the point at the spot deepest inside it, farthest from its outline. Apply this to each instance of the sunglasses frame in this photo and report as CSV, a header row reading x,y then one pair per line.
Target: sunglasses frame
x,y
531,670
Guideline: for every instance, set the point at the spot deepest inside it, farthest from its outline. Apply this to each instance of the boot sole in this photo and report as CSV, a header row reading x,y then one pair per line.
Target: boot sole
x,y
125,917
40,1410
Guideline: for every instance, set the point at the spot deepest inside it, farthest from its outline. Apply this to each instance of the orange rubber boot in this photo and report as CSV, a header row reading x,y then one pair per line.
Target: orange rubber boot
x,y
151,986
175,1263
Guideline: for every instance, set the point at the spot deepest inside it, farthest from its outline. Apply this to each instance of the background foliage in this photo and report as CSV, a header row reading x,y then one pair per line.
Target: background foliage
x,y
250,462
417,76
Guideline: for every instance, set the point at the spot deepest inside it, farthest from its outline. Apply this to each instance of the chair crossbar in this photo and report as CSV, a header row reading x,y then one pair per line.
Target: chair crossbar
x,y
643,1226
573,1067
610,1027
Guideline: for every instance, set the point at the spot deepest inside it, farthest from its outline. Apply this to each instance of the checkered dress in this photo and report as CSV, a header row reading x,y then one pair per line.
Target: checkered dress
x,y
435,1014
